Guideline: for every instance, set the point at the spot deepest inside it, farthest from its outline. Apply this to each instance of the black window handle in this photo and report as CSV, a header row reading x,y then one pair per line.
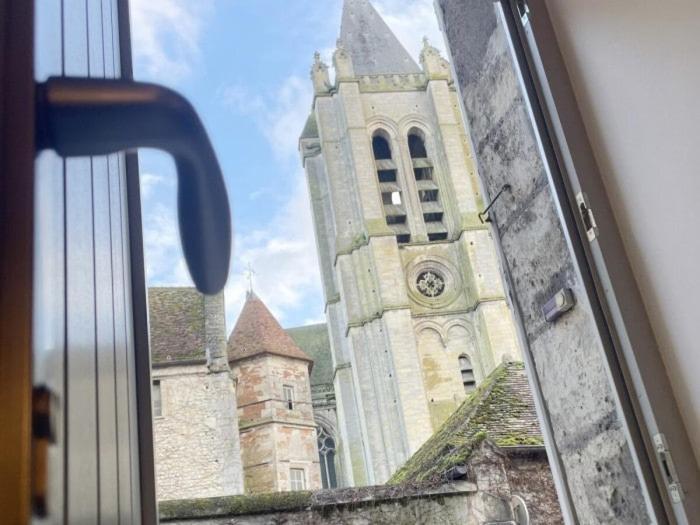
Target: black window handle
x,y
84,116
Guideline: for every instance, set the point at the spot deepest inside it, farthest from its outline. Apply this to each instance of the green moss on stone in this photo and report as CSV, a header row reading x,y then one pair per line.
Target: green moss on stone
x,y
500,409
234,505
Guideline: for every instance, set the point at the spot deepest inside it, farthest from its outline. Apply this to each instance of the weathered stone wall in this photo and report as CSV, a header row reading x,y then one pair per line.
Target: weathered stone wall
x,y
530,478
196,439
568,355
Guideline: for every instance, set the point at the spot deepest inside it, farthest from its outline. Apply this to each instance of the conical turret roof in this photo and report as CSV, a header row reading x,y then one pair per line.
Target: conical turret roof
x,y
374,49
258,332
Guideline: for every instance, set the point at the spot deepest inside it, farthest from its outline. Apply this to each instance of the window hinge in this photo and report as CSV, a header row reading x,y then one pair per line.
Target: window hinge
x,y
587,217
673,484
523,11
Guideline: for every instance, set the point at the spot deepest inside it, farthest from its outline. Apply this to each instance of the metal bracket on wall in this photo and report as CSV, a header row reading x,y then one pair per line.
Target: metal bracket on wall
x,y
523,11
484,215
587,217
673,484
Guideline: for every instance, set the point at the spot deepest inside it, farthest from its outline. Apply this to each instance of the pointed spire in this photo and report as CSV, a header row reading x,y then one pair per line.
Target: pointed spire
x,y
258,332
373,48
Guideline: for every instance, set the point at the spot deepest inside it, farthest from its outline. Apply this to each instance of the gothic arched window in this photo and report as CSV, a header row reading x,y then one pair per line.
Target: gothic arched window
x,y
416,145
380,147
326,456
428,191
467,370
392,198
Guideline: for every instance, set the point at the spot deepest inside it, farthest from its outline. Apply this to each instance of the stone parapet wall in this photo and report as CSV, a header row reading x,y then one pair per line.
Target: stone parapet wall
x,y
451,505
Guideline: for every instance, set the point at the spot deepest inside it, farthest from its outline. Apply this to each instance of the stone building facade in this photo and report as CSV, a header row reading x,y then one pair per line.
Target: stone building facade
x,y
486,464
276,421
197,451
414,298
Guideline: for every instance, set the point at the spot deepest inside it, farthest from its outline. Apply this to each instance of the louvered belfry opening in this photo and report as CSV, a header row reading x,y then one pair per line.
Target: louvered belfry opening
x,y
428,191
392,196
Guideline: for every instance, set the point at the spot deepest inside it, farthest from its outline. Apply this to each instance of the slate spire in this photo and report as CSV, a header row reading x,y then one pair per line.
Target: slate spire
x,y
374,49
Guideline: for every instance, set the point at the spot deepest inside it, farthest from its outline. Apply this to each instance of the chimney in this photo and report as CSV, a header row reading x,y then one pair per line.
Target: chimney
x,y
215,333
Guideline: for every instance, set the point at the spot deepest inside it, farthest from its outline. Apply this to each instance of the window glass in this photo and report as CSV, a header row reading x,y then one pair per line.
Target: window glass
x,y
297,479
288,392
157,399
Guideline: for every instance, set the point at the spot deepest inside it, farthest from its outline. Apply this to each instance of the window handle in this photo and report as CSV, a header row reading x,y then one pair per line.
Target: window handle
x,y
85,116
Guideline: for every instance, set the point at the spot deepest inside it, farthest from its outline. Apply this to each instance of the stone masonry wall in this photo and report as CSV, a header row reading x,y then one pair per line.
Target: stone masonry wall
x,y
196,439
370,505
568,355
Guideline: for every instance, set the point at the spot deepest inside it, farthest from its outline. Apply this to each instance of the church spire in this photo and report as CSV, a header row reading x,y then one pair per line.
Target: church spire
x,y
374,49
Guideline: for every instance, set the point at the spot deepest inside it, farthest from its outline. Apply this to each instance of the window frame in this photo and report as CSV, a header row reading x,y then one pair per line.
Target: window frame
x,y
293,481
289,400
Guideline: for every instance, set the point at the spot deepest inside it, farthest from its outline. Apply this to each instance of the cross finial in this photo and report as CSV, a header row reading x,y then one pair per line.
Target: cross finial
x,y
249,275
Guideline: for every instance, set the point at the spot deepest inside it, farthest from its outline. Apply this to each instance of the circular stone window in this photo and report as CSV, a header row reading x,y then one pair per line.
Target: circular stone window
x,y
433,281
430,283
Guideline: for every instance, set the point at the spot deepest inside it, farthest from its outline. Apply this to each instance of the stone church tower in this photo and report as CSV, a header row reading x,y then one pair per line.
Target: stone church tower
x,y
414,297
275,414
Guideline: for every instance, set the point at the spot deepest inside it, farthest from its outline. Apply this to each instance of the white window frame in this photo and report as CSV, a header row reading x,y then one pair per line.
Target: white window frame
x,y
297,483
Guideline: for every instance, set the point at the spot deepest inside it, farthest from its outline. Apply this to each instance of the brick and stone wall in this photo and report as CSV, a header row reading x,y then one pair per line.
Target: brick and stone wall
x,y
274,438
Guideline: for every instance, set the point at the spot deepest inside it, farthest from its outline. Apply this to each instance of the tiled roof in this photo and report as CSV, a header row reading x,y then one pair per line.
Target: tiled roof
x,y
313,339
500,409
258,332
176,324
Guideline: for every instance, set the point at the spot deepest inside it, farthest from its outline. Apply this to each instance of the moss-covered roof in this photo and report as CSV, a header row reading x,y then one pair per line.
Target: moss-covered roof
x,y
314,341
501,409
176,324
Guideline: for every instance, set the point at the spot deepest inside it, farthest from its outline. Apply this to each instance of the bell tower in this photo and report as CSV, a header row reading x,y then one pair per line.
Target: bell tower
x,y
414,298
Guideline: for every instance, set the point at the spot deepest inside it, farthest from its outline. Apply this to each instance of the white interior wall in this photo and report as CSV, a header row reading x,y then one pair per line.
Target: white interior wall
x,y
635,67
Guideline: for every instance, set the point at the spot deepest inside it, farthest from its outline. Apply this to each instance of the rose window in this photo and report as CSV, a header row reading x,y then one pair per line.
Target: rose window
x,y
430,283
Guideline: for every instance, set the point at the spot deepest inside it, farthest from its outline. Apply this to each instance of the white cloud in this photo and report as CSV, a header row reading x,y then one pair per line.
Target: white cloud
x,y
166,37
282,254
279,114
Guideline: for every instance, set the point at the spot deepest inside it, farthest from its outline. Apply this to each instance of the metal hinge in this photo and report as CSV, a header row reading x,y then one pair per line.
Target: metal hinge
x,y
523,11
668,469
587,217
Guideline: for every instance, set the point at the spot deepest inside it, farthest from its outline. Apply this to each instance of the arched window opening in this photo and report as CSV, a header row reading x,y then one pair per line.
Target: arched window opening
x,y
416,145
392,197
381,148
467,370
326,456
428,191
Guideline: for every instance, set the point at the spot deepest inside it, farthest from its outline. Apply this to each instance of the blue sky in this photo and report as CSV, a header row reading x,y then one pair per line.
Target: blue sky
x,y
244,64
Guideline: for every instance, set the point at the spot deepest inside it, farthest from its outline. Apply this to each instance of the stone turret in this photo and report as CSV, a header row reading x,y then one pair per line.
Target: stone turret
x,y
434,66
319,75
277,428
